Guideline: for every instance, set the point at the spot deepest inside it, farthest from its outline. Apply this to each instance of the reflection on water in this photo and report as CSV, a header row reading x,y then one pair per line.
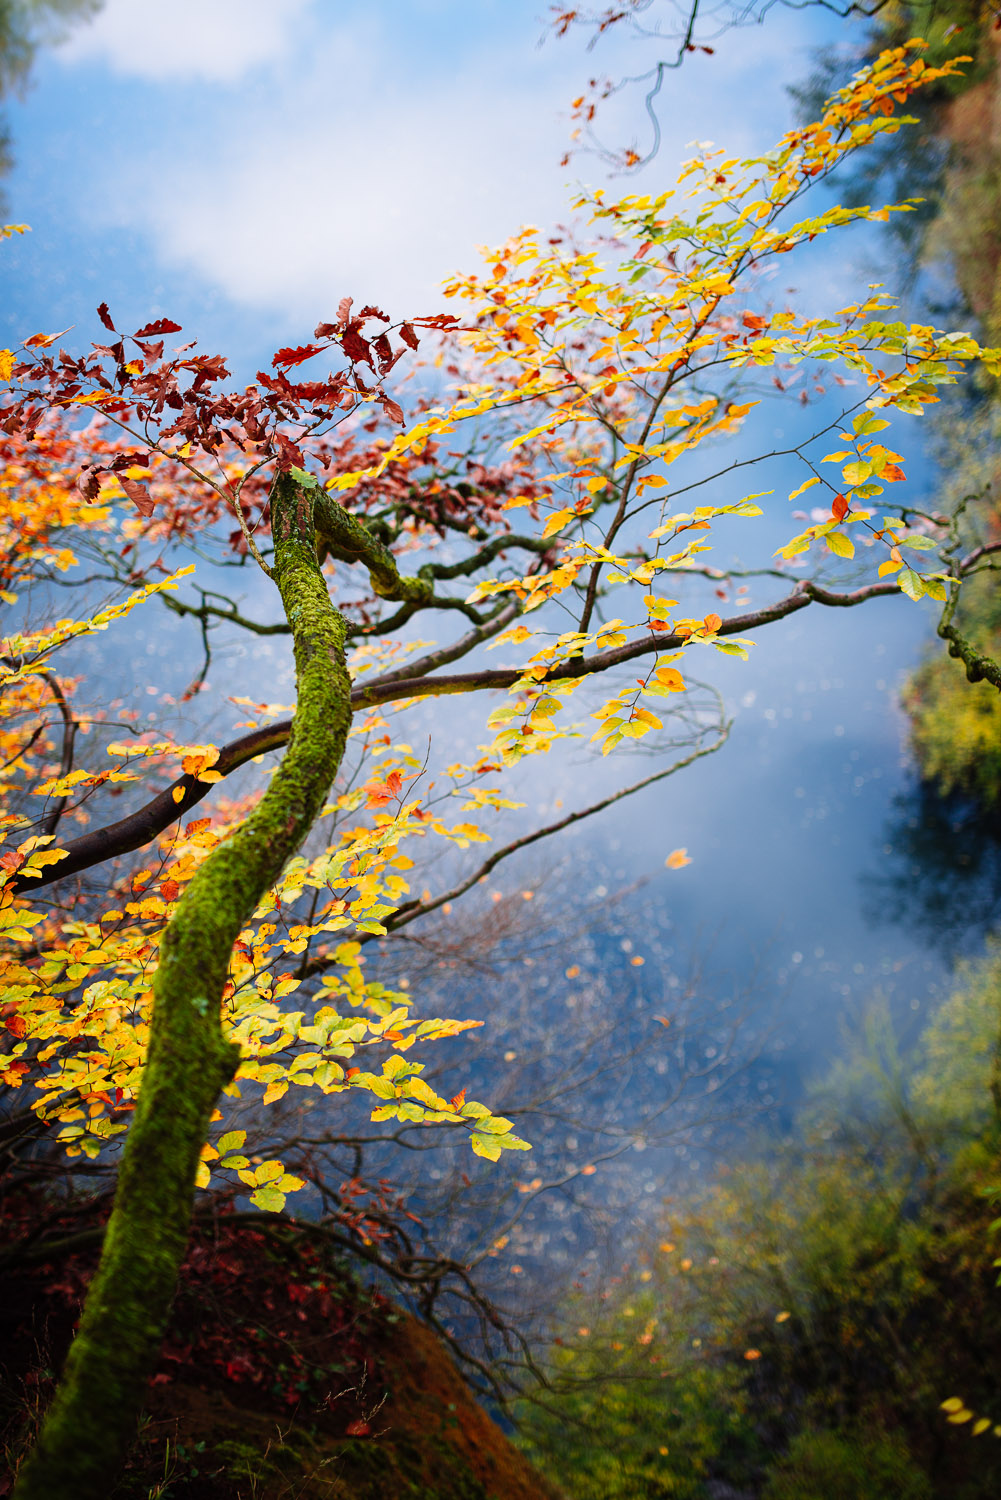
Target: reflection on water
x,y
940,879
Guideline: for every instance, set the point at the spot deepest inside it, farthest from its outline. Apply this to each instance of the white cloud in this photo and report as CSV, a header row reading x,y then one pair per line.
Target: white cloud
x,y
211,39
360,169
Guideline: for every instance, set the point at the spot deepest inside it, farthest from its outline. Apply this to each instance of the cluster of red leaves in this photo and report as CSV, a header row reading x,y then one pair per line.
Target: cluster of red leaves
x,y
281,1320
177,401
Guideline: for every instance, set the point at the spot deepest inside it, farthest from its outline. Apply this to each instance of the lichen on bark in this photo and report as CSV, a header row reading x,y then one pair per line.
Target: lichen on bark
x,y
93,1415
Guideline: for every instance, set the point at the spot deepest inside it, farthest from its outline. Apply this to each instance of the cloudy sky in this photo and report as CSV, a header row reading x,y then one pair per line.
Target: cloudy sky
x,y
240,165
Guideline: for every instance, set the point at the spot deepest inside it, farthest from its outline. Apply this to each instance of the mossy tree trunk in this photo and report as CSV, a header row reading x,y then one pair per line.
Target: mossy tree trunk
x,y
93,1415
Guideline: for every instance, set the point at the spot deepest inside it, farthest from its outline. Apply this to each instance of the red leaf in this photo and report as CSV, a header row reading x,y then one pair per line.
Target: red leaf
x,y
162,325
752,321
355,347
373,312
458,1100
384,353
11,860
138,494
344,310
17,1026
392,409
408,335
839,507
169,890
357,1428
298,356
105,317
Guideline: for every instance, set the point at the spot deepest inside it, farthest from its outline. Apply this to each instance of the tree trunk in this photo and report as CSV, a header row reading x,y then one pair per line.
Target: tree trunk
x,y
93,1416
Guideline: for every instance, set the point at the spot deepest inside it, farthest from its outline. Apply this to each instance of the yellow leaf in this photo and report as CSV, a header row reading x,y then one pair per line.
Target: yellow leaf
x,y
840,545
557,521
809,483
677,859
177,793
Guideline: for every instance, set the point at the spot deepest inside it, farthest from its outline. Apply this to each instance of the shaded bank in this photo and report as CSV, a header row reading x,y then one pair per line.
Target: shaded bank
x,y
280,1376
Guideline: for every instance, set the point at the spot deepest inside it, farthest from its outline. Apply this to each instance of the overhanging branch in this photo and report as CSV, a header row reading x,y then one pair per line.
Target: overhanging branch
x,y
141,827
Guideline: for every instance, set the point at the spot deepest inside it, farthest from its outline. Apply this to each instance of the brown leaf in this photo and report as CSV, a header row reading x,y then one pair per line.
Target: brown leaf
x,y
138,494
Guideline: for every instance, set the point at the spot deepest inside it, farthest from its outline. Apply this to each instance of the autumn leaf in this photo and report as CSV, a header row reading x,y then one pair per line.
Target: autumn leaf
x,y
677,859
138,494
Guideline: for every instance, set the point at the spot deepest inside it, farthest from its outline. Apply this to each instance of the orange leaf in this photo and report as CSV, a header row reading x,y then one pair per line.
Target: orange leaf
x,y
677,859
839,507
712,622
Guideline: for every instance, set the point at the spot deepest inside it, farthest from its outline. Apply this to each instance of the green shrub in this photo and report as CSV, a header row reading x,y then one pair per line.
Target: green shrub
x,y
847,1466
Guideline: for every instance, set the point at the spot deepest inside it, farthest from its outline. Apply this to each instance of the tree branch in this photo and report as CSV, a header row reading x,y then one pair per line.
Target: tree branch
x,y
141,827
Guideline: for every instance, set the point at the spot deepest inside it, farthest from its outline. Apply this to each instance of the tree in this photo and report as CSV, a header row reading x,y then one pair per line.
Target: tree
x,y
678,31
595,378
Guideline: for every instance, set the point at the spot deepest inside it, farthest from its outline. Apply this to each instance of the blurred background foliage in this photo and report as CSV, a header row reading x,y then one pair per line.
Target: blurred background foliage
x,y
795,1331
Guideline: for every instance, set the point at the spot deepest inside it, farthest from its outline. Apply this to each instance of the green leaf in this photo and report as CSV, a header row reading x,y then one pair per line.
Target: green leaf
x,y
917,541
868,423
485,1145
308,481
512,1143
840,545
268,1198
912,583
494,1125
231,1141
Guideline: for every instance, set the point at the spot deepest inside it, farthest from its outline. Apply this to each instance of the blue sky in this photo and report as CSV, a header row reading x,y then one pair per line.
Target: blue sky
x,y
239,165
